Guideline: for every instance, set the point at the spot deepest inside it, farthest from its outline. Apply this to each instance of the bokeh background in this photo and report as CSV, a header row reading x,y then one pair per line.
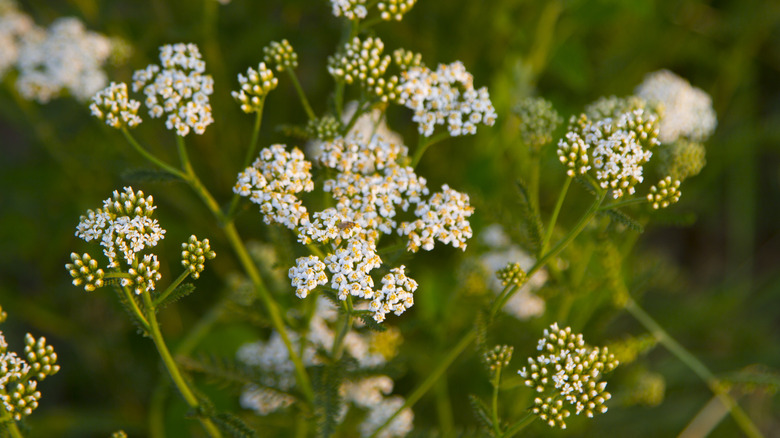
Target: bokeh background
x,y
719,294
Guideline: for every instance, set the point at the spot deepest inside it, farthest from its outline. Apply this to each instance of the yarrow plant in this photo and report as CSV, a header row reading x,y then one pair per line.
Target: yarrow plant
x,y
20,376
350,308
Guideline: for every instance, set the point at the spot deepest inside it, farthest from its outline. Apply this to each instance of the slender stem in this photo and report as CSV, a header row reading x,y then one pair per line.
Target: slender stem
x,y
494,405
424,144
554,218
520,425
623,203
417,394
160,298
592,210
301,95
444,408
369,23
359,110
136,310
251,151
156,161
701,370
10,427
338,344
195,183
339,99
271,306
533,183
173,369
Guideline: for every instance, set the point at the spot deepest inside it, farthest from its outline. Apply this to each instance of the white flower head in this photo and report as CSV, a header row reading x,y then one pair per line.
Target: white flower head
x,y
179,88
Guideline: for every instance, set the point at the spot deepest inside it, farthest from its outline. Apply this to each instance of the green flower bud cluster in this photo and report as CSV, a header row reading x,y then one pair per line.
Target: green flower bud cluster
x,y
19,378
406,59
511,274
142,275
41,357
681,159
325,128
498,357
362,62
538,121
281,55
573,154
254,87
129,203
648,389
194,254
85,271
627,350
394,9
664,193
568,374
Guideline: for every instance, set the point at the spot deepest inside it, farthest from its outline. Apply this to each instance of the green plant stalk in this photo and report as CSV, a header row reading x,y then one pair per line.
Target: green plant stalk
x,y
543,38
494,403
136,310
424,143
173,369
573,233
338,344
9,425
533,183
444,408
701,370
429,381
251,151
301,94
358,112
520,425
156,161
554,218
623,203
160,298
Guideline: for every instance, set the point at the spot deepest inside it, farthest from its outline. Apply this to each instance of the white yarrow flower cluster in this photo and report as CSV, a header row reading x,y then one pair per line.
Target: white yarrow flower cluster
x,y
273,181
371,394
350,9
687,110
357,10
124,225
567,372
178,87
66,57
113,105
14,26
446,97
443,217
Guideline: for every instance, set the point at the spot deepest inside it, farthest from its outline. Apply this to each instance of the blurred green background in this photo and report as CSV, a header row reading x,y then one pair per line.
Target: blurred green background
x,y
720,295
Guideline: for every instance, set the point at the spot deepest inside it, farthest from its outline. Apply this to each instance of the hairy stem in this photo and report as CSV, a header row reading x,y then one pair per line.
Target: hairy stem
x,y
701,370
520,425
301,94
251,151
554,218
417,394
172,287
173,369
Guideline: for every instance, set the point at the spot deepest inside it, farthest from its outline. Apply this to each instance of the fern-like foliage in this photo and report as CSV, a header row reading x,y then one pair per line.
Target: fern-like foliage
x,y
622,218
530,219
326,381
222,371
233,426
180,292
481,413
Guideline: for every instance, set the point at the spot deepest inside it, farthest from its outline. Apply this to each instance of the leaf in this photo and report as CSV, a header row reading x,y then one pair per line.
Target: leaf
x,y
481,412
326,381
587,185
369,321
233,426
180,292
137,176
754,377
221,370
618,216
530,220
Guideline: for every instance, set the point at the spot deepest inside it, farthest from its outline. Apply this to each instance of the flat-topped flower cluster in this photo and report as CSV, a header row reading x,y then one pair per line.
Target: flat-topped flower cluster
x,y
370,188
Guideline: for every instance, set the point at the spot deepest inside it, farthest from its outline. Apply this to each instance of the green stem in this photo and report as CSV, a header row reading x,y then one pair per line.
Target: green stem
x,y
136,310
11,427
173,369
301,95
156,161
520,425
417,394
359,110
271,306
533,183
701,370
554,218
573,233
424,143
338,344
250,268
160,298
251,151
494,404
623,203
